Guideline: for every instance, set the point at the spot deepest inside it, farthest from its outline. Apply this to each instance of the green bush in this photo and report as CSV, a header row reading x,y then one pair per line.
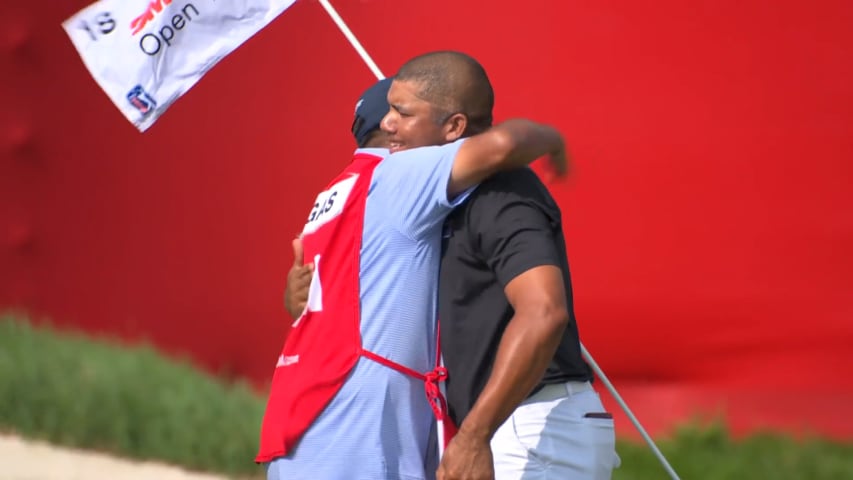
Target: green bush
x,y
75,391
72,390
709,453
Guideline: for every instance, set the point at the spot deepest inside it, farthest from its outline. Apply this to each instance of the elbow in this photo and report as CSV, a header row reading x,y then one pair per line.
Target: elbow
x,y
506,146
551,320
557,319
554,316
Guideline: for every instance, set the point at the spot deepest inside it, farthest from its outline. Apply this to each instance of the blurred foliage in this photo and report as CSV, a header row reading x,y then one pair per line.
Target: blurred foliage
x,y
708,452
76,391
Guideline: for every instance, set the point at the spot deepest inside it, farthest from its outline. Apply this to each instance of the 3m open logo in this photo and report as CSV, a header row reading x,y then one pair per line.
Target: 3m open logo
x,y
151,11
329,204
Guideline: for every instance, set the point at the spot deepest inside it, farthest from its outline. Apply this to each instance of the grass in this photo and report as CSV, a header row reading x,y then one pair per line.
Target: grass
x,y
75,391
132,401
709,453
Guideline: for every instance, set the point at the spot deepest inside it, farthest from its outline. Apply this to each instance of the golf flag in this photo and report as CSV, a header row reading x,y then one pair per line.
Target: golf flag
x,y
145,54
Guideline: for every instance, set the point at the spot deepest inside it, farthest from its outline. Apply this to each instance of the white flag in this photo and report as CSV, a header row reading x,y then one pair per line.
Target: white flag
x,y
145,54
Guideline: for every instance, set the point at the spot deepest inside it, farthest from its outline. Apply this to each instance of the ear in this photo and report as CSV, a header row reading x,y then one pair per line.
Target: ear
x,y
454,127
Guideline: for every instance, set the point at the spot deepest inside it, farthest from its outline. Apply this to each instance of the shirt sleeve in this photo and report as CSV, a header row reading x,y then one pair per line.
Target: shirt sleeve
x,y
515,227
413,184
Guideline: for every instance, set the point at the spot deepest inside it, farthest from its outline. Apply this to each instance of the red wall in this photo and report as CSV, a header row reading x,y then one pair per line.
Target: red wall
x,y
709,219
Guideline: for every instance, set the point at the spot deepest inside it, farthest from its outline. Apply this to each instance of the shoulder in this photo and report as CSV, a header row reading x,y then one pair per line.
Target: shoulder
x,y
432,153
376,152
519,186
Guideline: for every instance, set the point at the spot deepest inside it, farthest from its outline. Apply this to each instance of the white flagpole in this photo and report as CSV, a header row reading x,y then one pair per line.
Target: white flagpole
x,y
352,40
600,373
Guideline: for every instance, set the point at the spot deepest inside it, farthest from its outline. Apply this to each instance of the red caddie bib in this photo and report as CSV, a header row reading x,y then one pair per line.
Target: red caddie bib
x,y
324,343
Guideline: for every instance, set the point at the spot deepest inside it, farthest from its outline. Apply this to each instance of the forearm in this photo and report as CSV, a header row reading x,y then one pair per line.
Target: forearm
x,y
296,291
527,141
512,144
290,304
526,348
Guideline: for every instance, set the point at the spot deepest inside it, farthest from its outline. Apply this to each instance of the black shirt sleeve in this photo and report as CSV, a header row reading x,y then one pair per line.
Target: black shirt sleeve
x,y
515,222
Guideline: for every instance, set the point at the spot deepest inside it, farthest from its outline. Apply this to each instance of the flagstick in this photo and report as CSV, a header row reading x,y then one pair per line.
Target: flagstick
x,y
375,69
600,373
352,40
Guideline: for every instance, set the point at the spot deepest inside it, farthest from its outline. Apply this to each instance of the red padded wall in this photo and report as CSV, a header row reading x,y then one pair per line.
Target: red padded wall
x,y
709,220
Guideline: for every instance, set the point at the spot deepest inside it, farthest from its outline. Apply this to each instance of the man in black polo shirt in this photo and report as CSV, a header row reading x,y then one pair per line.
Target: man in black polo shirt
x,y
518,386
508,328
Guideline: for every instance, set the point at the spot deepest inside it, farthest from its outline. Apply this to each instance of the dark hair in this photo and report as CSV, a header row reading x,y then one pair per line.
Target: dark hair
x,y
453,82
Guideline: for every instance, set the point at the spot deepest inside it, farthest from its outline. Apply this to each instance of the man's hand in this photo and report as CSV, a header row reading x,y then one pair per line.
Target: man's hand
x,y
298,282
467,457
556,165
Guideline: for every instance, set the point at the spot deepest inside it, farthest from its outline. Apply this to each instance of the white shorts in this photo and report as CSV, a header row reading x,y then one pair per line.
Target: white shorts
x,y
548,437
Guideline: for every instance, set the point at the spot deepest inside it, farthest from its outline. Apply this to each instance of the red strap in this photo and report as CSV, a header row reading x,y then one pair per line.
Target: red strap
x,y
431,379
392,364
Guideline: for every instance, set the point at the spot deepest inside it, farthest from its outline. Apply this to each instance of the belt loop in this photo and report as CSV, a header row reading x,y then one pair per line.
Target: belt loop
x,y
581,387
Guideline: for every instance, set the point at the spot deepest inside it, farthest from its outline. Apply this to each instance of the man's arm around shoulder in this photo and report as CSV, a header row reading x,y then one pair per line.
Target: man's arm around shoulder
x,y
511,144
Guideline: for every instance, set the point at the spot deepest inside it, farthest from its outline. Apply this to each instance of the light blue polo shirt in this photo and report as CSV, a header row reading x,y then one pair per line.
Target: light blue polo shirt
x,y
380,425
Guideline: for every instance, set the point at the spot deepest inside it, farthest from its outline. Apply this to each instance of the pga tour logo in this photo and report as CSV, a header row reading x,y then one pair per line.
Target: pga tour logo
x,y
139,98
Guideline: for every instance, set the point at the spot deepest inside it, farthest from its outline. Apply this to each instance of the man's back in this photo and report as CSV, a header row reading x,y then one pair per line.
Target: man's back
x,y
379,424
508,225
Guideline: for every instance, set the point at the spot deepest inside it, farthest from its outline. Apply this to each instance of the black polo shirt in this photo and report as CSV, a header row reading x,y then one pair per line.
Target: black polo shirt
x,y
509,225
